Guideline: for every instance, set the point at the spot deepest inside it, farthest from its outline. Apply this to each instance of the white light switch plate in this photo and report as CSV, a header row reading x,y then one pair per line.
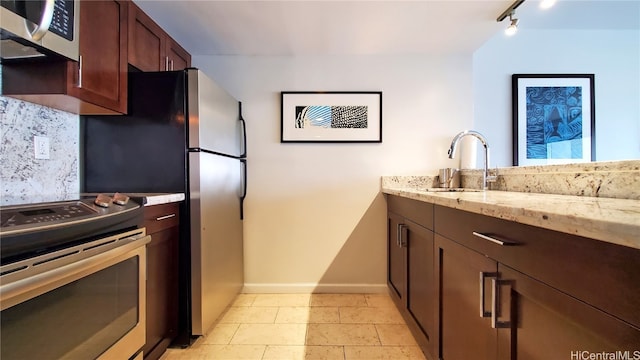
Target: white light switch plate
x,y
41,145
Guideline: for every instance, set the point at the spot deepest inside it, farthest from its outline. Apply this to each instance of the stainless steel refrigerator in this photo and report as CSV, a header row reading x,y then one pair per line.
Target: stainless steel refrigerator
x,y
185,134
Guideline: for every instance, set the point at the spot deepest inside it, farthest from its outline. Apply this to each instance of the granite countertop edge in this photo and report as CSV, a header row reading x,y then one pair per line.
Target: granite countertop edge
x,y
615,221
150,199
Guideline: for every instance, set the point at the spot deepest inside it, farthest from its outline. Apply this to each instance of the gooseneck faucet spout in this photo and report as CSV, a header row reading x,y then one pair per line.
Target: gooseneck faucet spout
x,y
486,178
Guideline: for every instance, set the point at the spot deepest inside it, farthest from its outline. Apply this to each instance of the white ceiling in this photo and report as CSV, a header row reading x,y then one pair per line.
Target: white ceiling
x,y
302,27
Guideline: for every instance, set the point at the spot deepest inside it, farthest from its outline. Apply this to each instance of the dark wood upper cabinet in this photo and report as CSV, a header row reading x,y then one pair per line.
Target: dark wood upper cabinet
x,y
102,67
97,82
177,57
150,48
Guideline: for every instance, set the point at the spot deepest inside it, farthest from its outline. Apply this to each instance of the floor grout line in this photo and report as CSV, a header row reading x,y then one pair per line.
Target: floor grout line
x,y
366,317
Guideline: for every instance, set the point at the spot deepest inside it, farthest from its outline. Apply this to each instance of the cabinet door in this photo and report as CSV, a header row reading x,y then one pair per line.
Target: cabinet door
x,y
100,75
146,41
545,323
162,290
162,223
177,58
420,276
397,258
464,334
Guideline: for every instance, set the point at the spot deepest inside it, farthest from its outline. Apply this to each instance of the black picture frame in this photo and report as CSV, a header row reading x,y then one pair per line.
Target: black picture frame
x,y
331,117
553,118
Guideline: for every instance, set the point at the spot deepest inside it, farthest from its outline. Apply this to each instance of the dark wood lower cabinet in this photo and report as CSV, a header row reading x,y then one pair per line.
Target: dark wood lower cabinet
x,y
464,334
410,267
162,223
542,294
420,278
545,323
396,260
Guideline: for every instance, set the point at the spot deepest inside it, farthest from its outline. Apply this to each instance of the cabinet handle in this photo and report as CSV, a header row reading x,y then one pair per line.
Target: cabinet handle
x,y
495,304
495,239
171,62
80,71
401,241
483,276
165,217
166,63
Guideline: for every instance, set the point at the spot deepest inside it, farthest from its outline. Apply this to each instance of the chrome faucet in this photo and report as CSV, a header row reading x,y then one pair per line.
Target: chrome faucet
x,y
486,178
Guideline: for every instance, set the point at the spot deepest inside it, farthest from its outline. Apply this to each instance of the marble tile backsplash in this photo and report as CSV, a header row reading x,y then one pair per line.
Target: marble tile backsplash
x,y
610,179
24,178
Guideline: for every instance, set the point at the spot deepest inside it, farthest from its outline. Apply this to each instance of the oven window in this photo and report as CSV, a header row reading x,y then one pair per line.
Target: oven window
x,y
79,320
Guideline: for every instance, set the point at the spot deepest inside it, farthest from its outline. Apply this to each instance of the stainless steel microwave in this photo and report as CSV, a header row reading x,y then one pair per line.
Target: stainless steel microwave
x,y
34,29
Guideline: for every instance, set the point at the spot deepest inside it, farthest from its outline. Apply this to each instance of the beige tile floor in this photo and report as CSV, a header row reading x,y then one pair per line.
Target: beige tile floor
x,y
305,327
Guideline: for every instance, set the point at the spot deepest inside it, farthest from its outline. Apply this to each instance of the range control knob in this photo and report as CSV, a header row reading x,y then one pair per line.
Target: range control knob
x,y
102,201
120,199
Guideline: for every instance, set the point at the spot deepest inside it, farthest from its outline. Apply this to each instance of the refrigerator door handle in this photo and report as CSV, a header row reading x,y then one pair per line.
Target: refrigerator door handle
x,y
244,132
244,187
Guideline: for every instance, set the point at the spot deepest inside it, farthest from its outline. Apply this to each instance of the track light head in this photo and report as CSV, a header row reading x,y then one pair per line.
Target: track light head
x,y
545,4
513,27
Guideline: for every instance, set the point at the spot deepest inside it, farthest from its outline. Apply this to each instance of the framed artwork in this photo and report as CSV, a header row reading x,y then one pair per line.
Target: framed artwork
x,y
553,119
331,117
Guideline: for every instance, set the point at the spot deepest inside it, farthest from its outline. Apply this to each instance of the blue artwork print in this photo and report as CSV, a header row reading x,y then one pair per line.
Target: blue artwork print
x,y
554,122
352,117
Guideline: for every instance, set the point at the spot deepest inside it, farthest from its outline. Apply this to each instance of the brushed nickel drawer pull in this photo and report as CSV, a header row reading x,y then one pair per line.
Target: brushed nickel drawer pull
x,y
165,217
494,240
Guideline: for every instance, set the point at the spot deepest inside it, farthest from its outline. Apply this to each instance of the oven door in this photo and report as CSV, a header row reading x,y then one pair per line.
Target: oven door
x,y
84,302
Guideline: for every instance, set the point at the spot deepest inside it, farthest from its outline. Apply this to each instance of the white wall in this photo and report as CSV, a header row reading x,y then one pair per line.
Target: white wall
x,y
314,215
614,58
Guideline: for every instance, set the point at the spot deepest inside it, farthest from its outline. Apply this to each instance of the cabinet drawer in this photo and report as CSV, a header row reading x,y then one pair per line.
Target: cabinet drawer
x,y
604,275
160,217
414,210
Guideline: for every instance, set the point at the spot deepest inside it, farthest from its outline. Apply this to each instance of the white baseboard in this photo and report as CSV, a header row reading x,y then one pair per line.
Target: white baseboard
x,y
309,288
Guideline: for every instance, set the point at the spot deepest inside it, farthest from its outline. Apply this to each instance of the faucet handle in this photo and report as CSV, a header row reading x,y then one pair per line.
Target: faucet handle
x,y
492,175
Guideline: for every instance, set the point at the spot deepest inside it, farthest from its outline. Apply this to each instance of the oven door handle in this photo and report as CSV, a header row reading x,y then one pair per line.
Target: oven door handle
x,y
39,277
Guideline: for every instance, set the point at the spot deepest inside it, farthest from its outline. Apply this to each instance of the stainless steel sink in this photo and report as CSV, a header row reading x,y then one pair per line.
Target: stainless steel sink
x,y
452,190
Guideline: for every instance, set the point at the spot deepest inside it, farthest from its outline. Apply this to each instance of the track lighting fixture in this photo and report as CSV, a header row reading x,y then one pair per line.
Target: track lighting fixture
x,y
513,27
511,13
545,4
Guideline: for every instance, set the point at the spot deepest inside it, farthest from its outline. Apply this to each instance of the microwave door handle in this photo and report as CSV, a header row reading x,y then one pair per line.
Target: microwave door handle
x,y
38,31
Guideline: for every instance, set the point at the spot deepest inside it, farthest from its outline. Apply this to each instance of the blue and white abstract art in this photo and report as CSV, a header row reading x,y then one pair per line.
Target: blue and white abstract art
x,y
554,122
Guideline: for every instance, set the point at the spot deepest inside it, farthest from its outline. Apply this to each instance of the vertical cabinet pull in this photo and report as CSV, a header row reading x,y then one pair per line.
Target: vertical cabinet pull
x,y
495,303
80,71
483,277
401,239
166,63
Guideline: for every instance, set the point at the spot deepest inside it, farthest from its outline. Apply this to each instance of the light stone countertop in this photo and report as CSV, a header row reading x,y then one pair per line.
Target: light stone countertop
x,y
611,220
151,199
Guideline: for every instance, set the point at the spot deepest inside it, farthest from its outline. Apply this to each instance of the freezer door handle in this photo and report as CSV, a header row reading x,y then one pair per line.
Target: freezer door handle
x,y
243,152
243,162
